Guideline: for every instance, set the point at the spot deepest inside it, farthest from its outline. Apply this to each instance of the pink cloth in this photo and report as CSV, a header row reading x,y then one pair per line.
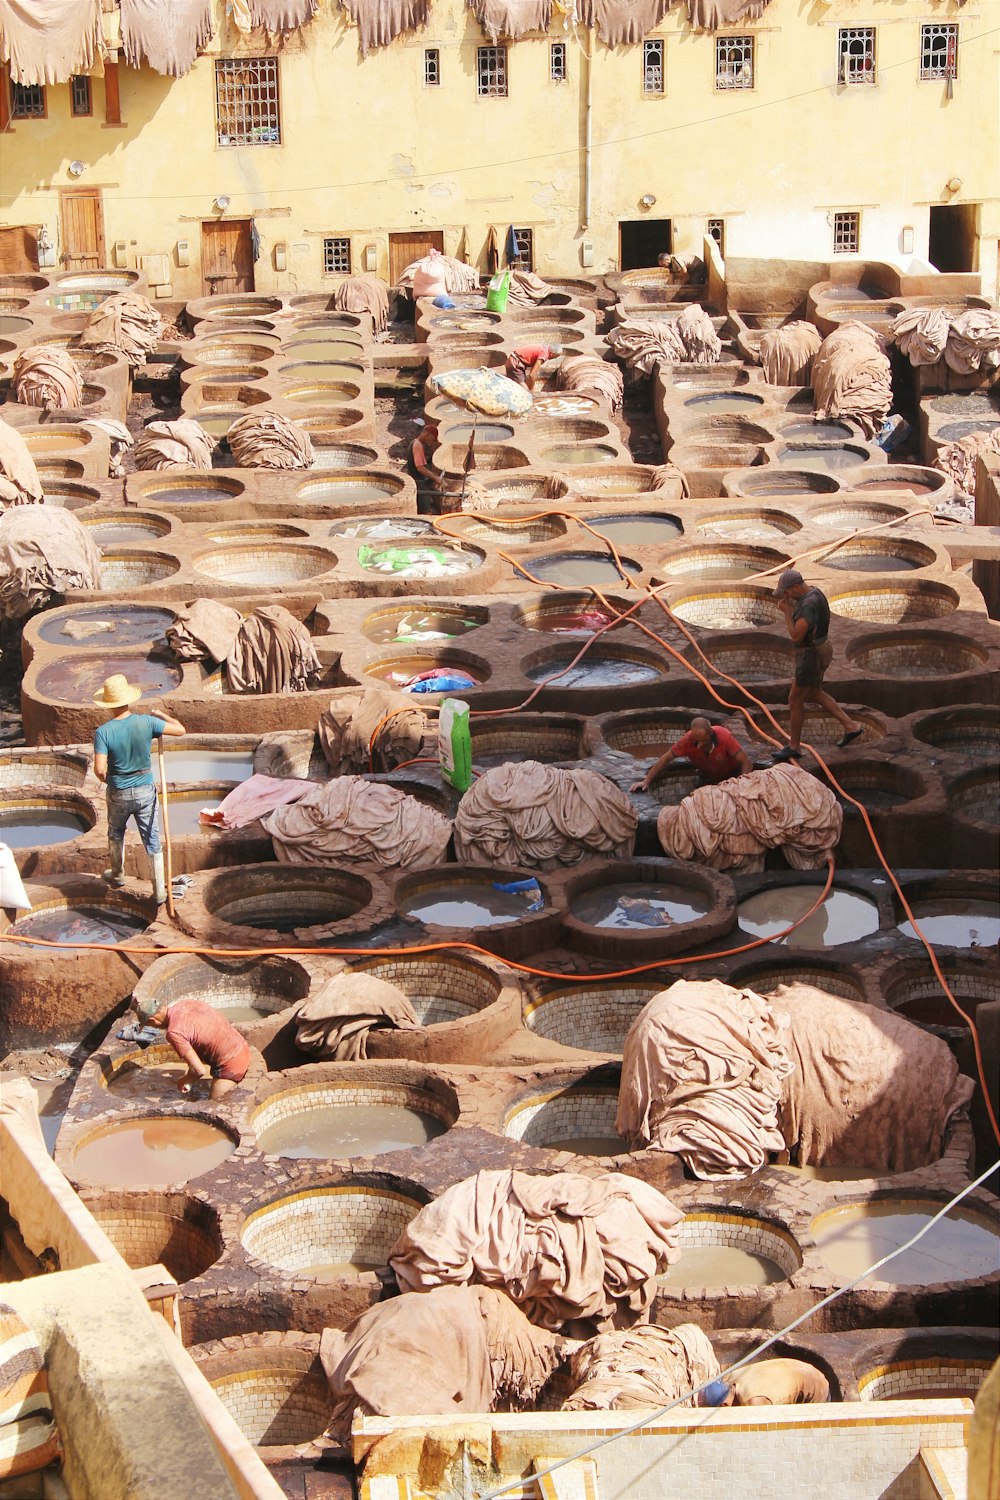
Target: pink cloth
x,y
255,797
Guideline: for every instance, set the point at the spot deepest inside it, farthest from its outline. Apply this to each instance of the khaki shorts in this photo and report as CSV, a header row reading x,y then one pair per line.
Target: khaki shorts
x,y
811,664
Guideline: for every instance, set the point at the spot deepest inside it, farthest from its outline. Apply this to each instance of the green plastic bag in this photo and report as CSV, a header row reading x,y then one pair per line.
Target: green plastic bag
x,y
498,292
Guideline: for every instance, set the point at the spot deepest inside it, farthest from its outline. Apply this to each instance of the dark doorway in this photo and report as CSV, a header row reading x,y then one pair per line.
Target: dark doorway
x,y
641,241
953,237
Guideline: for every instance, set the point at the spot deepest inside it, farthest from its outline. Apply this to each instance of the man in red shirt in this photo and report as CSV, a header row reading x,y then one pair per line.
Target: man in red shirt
x,y
525,364
715,754
203,1039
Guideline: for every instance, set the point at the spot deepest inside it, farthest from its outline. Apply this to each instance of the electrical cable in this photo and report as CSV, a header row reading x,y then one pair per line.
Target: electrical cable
x,y
650,1417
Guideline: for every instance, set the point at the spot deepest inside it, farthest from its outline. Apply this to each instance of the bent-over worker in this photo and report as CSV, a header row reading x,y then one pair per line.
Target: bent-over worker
x,y
807,616
203,1039
122,761
525,364
769,1382
423,468
715,754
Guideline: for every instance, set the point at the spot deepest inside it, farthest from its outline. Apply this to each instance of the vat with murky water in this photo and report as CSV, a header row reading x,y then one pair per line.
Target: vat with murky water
x,y
428,560
730,1248
563,455
417,626
844,916
962,1246
104,625
345,1130
468,903
153,1151
153,1081
185,809
817,432
721,1265
723,403
581,569
207,765
194,491
628,905
84,924
76,681
958,922
828,459
638,530
598,669
131,531
23,826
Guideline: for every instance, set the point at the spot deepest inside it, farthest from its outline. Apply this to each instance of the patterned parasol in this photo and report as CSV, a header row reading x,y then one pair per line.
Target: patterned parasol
x,y
485,391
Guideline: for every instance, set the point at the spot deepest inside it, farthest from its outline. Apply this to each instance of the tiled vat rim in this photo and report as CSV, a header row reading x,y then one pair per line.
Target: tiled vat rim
x,y
563,1112
279,1406
705,1226
351,1222
441,988
591,1018
912,1375
301,1099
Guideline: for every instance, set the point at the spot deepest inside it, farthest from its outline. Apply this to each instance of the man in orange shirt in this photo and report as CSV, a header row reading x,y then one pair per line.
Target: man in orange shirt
x,y
715,754
525,364
203,1039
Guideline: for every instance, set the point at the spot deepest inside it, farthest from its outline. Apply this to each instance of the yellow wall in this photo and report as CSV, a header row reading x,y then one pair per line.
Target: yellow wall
x,y
368,150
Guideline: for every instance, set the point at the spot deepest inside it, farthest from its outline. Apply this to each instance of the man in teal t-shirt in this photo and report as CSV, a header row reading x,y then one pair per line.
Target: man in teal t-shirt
x,y
122,761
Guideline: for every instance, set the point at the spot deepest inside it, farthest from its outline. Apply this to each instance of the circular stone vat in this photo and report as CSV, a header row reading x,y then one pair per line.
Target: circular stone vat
x,y
638,905
896,604
402,671
430,560
523,488
566,404
526,736
942,1377
262,564
13,326
765,978
71,496
567,429
976,796
647,735
880,555
509,533
690,454
724,403
122,570
187,764
750,525
383,528
729,1249
486,432
961,1247
593,1017
927,654
349,489
75,680
254,531
274,1389
168,1230
581,569
408,625
186,808
467,898
879,785
110,626
823,729
244,991
36,819
342,1120
952,912
577,1119
561,455
240,305
149,1077
117,527
728,609
844,917
603,667
217,422
614,480
42,768
773,480
190,489
816,432
325,1234
563,614
41,441
103,282
328,368
917,994
640,530
284,898
322,393
149,1151
952,432
972,732
707,564
750,659
111,917
229,349
906,479
441,987
709,377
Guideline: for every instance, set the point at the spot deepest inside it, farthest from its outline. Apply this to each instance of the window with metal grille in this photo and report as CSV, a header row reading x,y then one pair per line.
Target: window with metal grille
x,y
524,242
27,101
856,55
246,101
491,72
717,232
652,67
79,95
432,67
734,62
558,67
846,233
939,51
337,255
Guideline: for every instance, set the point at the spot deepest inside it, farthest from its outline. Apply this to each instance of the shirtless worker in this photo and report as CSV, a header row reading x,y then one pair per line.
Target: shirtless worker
x,y
203,1039
122,761
769,1382
715,754
807,618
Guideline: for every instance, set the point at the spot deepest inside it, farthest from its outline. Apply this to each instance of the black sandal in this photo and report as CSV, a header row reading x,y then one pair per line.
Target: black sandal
x,y
787,754
849,738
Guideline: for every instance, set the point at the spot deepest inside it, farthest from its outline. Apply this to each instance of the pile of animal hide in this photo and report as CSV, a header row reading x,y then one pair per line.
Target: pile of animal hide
x,y
527,814
337,1019
364,294
527,289
733,824
47,376
267,440
958,459
643,343
787,353
182,444
268,651
19,481
350,820
852,377
968,342
347,727
590,375
646,1366
124,324
44,552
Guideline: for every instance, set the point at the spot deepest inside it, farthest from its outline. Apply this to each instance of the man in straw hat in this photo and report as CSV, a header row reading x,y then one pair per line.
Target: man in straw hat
x,y
807,620
122,761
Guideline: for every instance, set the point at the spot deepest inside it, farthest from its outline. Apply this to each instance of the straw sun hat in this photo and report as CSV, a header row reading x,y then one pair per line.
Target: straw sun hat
x,y
117,692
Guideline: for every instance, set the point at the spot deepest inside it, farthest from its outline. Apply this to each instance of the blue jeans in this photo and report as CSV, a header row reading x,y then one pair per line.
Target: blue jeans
x,y
138,802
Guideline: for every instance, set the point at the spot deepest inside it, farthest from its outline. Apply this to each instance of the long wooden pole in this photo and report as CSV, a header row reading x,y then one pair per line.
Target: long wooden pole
x,y
168,861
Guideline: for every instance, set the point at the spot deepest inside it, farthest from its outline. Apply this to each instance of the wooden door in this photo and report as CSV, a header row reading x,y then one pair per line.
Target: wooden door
x,y
226,256
19,249
82,215
404,249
